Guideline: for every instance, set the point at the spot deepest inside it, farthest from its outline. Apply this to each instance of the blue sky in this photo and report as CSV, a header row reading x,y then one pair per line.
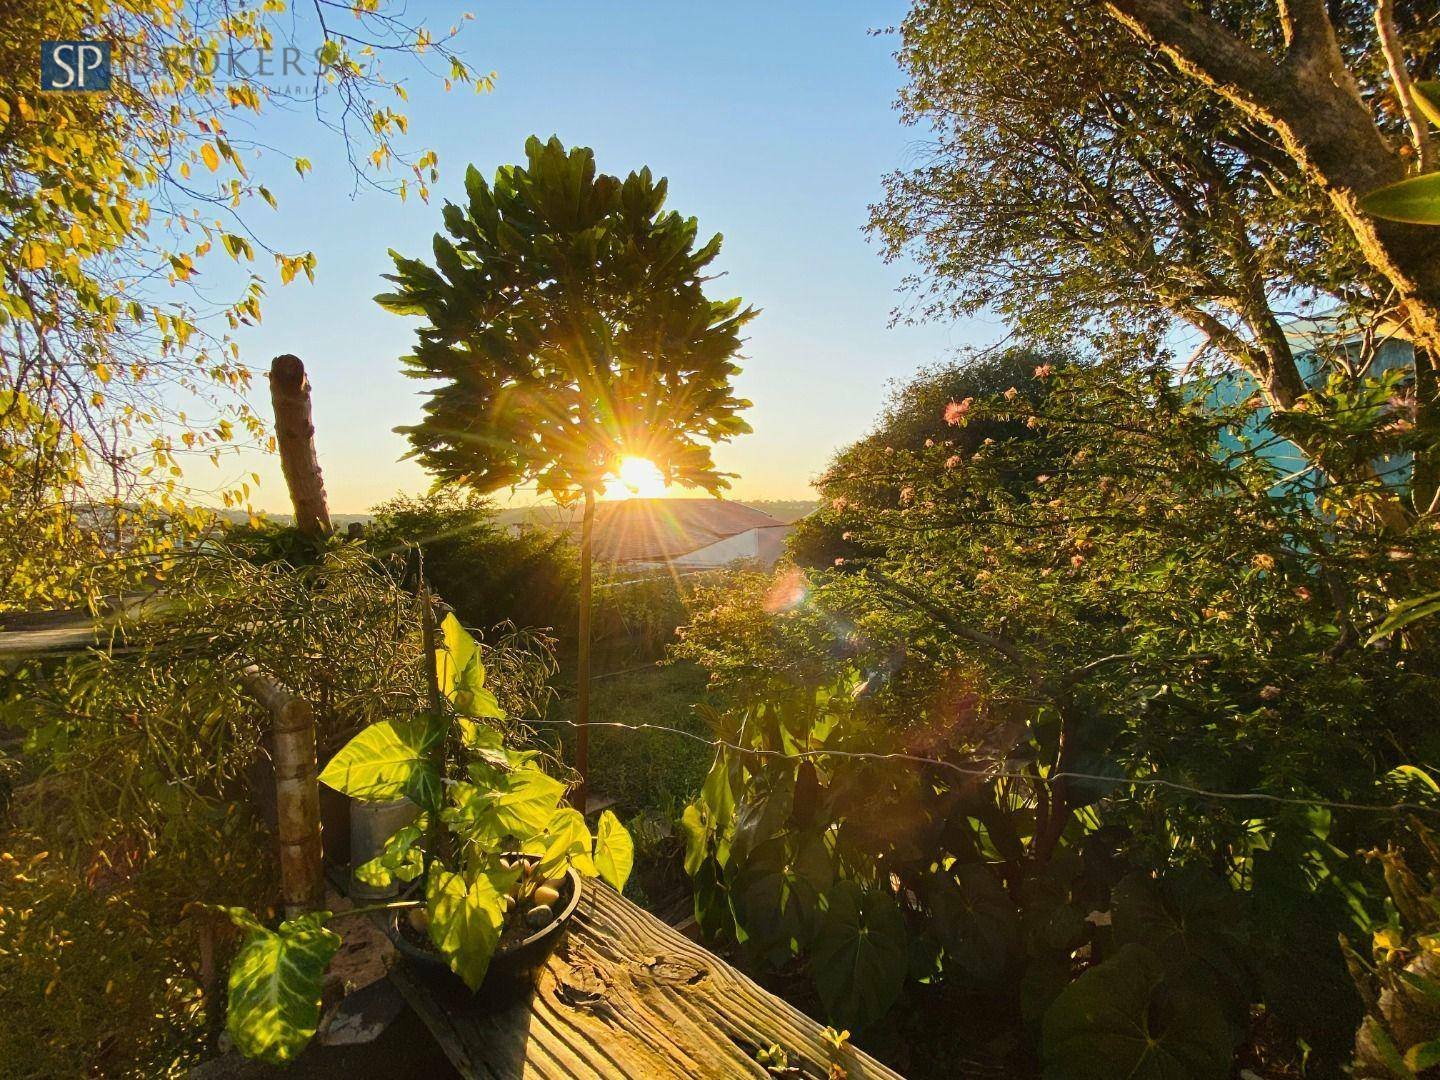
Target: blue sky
x,y
774,123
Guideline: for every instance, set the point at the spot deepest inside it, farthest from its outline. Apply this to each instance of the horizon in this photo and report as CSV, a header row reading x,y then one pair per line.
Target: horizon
x,y
742,103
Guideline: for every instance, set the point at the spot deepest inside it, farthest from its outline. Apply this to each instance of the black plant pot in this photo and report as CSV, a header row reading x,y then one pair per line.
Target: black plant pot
x,y
512,968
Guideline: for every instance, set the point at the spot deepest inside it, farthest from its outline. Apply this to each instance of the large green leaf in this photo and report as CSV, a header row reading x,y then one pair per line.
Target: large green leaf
x,y
1404,613
275,983
456,650
1124,1018
860,957
466,915
614,851
978,924
777,894
564,840
1416,200
524,801
388,760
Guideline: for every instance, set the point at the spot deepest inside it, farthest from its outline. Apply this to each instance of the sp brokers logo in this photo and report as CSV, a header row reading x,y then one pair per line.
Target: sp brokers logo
x,y
75,65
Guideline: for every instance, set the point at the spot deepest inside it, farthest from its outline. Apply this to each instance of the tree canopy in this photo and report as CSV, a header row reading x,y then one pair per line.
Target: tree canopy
x,y
567,320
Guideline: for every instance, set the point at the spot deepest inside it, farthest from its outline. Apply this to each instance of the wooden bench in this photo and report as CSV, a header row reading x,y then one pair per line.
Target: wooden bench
x,y
627,996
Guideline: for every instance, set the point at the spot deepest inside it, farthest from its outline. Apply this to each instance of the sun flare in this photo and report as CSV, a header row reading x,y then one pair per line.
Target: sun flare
x,y
640,478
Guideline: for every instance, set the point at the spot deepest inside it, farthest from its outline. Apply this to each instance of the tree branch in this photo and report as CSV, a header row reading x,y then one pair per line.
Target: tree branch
x,y
1394,52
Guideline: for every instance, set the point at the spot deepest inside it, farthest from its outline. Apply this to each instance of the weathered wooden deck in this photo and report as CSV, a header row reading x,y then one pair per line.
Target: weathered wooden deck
x,y
627,996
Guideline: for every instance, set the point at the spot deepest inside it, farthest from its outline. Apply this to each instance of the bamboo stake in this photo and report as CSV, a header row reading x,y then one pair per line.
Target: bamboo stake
x,y
297,793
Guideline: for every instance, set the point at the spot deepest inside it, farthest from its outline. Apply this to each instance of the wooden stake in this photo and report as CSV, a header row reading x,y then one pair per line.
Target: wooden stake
x,y
295,439
297,793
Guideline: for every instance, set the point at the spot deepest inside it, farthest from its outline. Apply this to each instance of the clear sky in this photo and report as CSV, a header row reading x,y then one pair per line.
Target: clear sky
x,y
774,123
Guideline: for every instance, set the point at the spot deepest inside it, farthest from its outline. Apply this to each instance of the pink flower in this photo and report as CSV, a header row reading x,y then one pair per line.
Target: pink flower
x,y
840,502
1077,561
840,562
1044,371
929,443
956,410
952,461
1011,394
1302,592
907,494
847,535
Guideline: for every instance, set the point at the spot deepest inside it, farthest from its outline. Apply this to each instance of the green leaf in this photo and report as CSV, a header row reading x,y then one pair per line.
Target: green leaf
x,y
614,851
1123,1018
1423,1056
564,839
457,658
978,924
466,917
389,760
1403,614
694,825
1427,97
525,800
275,983
1416,201
399,859
860,958
777,894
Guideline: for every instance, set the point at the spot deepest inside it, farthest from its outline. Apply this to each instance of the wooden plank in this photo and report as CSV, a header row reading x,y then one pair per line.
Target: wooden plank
x,y
627,996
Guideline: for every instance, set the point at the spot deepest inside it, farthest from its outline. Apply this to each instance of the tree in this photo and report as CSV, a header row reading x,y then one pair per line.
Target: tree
x,y
863,474
1117,194
116,365
568,325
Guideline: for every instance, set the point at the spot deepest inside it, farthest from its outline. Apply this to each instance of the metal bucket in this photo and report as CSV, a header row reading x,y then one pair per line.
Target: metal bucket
x,y
371,824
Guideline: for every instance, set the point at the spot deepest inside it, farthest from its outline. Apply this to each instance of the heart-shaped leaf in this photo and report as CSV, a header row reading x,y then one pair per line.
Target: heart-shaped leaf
x,y
399,859
466,917
778,893
614,851
860,957
389,760
1124,1018
978,924
275,983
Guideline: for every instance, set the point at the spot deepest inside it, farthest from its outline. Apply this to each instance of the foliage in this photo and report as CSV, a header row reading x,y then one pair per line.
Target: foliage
x,y
118,367
487,574
1141,191
914,419
1400,983
493,851
567,319
134,773
1069,639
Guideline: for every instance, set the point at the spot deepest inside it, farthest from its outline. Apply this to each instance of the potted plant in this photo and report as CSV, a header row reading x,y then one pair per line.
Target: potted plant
x,y
499,857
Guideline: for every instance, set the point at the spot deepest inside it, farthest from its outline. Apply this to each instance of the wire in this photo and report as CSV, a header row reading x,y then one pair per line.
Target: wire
x,y
993,774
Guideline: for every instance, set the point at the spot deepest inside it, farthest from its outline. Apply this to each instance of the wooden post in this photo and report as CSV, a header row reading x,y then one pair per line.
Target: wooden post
x,y
297,793
582,664
295,439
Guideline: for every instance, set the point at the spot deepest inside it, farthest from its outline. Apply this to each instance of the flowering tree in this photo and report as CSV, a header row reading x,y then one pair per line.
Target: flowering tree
x,y
568,326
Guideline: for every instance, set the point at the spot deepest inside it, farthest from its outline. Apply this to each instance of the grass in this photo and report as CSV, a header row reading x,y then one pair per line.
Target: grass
x,y
643,770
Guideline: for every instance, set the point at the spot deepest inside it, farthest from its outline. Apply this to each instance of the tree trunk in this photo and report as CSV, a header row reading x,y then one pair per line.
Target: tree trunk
x,y
295,439
582,661
1309,99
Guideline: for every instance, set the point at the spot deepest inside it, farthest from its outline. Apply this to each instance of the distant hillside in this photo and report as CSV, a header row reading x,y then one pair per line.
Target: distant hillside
x,y
783,510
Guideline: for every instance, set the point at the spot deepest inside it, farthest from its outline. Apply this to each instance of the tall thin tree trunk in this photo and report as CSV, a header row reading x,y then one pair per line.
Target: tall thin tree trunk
x,y
582,673
295,439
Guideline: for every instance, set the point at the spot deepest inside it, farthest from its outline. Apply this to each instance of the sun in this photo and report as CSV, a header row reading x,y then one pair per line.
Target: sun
x,y
640,478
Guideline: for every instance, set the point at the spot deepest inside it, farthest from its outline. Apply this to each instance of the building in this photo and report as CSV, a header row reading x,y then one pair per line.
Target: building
x,y
688,534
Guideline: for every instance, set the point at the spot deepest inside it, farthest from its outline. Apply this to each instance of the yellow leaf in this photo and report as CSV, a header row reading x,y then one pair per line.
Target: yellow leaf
x,y
33,256
102,373
212,159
